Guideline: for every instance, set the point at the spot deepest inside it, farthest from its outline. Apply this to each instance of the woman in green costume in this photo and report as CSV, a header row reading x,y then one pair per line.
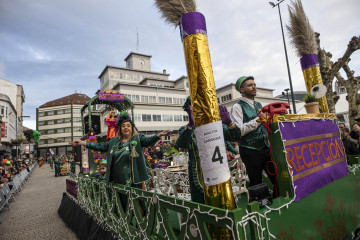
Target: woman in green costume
x,y
126,162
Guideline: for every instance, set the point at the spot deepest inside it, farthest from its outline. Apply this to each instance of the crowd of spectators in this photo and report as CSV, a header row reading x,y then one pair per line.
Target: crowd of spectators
x,y
350,139
9,168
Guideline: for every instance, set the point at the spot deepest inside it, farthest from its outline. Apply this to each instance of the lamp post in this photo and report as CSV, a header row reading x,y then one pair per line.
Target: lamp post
x,y
287,94
287,60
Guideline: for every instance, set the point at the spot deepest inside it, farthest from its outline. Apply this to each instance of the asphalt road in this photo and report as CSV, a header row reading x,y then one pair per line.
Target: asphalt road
x,y
33,214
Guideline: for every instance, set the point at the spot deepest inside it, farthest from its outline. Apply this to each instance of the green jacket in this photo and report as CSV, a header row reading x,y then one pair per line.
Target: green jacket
x,y
138,170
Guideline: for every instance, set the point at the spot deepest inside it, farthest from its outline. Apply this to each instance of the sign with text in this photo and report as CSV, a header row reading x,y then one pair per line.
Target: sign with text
x,y
27,148
315,154
212,153
111,96
3,134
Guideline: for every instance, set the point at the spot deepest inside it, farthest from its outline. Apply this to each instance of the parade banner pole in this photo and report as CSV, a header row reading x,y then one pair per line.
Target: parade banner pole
x,y
208,125
303,40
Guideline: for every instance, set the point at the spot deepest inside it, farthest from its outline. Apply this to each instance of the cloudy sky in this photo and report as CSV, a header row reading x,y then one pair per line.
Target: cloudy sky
x,y
58,47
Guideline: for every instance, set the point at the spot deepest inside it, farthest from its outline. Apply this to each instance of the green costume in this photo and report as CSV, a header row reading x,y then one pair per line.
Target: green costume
x,y
51,162
122,166
57,167
256,139
187,140
72,166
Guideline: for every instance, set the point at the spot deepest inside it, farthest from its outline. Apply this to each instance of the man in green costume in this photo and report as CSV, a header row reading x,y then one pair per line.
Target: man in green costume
x,y
253,144
51,162
72,165
57,166
187,141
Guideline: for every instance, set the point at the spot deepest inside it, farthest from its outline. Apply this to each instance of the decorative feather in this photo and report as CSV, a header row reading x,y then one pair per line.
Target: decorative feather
x,y
172,10
300,31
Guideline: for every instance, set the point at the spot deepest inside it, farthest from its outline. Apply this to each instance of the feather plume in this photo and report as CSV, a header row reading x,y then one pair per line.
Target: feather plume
x,y
172,10
300,31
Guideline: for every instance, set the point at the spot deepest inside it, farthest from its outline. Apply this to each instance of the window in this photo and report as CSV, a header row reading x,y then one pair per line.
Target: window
x,y
60,130
137,117
41,114
68,110
2,111
167,118
42,142
146,118
165,100
41,123
178,118
145,99
50,113
68,139
185,118
67,130
6,131
42,132
77,110
6,112
77,129
50,141
167,138
50,122
50,131
60,111
67,120
187,84
156,118
226,98
77,119
59,121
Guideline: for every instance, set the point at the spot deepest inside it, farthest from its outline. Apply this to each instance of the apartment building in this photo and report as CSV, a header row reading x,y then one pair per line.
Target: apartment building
x,y
59,122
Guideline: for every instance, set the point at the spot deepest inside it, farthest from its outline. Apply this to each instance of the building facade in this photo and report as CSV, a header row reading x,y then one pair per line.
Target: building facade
x,y
8,126
12,98
158,101
228,96
59,122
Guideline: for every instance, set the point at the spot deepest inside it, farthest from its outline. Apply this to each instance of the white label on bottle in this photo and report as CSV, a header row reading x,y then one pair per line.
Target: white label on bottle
x,y
212,153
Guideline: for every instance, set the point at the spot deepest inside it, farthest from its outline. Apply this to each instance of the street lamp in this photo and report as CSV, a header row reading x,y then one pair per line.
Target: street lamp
x,y
287,60
287,94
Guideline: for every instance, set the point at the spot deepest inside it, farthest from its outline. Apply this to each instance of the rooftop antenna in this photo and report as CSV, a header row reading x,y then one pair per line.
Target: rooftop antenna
x,y
137,40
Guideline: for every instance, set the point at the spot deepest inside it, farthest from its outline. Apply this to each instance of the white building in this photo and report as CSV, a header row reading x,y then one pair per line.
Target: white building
x,y
228,96
59,122
158,101
8,126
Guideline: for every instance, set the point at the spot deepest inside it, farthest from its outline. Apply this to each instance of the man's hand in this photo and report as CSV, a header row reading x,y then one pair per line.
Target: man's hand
x,y
261,114
77,143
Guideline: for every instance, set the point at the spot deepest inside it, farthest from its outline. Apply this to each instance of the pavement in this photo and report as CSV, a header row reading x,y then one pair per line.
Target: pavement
x,y
33,214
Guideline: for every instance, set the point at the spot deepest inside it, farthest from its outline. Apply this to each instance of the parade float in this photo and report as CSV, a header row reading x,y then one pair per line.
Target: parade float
x,y
318,186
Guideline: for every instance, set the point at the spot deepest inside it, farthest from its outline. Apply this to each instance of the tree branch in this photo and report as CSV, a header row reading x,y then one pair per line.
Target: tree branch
x,y
353,45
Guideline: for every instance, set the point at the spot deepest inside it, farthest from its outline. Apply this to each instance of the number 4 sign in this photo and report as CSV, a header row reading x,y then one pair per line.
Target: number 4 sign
x,y
212,153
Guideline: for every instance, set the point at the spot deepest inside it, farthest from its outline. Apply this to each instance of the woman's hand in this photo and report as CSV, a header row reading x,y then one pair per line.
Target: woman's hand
x,y
165,133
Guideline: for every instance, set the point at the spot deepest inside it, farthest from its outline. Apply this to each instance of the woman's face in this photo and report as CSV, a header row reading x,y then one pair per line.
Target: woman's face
x,y
126,129
356,128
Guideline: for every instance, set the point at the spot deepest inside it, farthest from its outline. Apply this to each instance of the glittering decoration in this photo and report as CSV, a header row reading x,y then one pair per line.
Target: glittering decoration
x,y
312,77
201,80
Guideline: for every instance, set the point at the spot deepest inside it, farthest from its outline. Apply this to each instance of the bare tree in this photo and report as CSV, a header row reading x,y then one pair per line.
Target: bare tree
x,y
330,71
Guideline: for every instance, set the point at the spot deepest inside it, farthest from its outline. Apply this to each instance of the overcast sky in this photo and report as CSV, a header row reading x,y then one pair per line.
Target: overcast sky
x,y
58,47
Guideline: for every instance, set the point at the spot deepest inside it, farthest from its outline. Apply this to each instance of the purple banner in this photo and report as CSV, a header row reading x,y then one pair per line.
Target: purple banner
x,y
71,188
111,96
315,153
309,61
191,23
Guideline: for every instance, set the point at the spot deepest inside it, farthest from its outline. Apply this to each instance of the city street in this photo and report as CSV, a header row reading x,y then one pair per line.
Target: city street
x,y
34,213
